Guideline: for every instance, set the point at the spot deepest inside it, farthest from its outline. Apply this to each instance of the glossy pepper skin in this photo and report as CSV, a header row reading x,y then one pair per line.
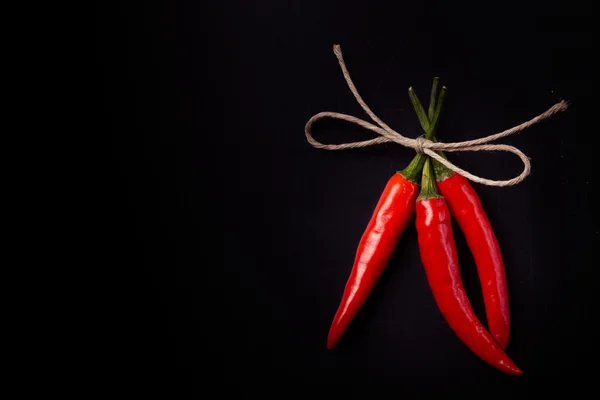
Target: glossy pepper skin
x,y
392,215
439,257
468,212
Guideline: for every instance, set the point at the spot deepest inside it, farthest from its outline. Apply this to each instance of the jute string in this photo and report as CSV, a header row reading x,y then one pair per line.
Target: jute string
x,y
425,146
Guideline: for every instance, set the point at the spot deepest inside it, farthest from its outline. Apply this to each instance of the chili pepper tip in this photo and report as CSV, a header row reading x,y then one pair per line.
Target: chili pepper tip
x,y
511,369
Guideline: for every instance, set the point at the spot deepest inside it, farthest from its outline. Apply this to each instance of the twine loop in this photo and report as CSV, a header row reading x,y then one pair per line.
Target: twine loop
x,y
425,146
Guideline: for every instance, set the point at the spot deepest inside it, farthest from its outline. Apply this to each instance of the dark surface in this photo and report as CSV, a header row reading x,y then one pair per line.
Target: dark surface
x,y
236,237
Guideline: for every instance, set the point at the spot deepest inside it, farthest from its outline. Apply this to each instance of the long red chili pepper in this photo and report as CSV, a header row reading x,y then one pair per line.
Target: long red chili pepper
x,y
468,212
393,212
438,253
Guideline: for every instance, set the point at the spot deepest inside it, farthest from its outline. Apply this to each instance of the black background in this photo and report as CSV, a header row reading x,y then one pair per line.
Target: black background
x,y
235,237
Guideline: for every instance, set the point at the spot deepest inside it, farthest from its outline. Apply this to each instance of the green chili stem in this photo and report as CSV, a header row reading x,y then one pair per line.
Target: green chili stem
x,y
429,124
434,86
436,116
419,109
428,187
412,172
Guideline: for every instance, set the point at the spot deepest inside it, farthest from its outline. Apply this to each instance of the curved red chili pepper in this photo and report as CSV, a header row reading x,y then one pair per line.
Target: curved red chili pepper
x,y
438,253
392,214
473,221
468,212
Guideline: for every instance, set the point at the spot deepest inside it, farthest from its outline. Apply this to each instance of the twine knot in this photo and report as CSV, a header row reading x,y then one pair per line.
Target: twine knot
x,y
421,143
425,146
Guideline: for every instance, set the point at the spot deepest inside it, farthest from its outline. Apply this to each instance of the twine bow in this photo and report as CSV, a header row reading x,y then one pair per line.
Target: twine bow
x,y
426,146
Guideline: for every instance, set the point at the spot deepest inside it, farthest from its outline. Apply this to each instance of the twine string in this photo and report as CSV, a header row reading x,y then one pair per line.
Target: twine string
x,y
425,146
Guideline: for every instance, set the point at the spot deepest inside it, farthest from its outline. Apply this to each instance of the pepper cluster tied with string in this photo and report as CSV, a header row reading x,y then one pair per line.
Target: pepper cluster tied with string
x,y
434,189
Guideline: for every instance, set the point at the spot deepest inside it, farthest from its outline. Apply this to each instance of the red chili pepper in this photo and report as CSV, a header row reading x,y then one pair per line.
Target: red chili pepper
x,y
466,208
392,214
468,212
438,253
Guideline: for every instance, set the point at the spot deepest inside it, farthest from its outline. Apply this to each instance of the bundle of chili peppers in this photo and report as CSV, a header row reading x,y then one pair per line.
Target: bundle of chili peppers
x,y
435,194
